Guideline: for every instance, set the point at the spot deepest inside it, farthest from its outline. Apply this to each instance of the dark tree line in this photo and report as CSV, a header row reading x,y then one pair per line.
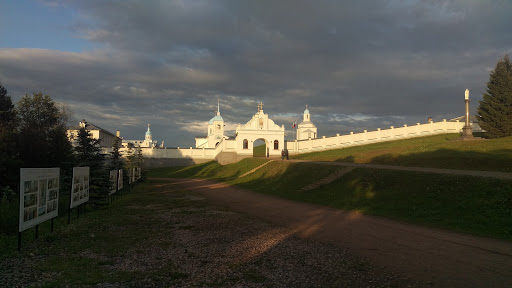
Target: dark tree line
x,y
33,134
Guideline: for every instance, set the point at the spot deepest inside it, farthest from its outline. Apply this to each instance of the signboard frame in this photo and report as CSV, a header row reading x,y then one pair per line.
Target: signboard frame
x,y
113,182
39,196
120,179
80,186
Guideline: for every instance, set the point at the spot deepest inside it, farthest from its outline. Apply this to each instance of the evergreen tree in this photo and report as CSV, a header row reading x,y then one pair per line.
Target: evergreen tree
x,y
116,162
139,161
129,162
9,160
495,110
88,154
7,112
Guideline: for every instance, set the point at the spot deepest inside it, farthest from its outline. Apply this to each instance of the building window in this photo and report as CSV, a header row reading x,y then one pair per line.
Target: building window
x,y
246,144
276,145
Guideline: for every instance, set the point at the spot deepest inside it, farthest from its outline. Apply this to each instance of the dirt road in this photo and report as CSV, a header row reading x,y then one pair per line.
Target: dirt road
x,y
437,258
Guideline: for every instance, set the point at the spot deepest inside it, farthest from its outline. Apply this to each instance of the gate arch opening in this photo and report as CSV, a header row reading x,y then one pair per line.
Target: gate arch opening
x,y
259,148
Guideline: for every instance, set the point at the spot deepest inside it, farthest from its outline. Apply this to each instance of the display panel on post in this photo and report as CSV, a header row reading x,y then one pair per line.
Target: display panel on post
x,y
113,182
120,179
137,174
80,187
39,196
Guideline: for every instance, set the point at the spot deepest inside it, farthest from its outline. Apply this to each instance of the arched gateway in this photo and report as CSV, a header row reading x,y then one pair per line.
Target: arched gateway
x,y
259,127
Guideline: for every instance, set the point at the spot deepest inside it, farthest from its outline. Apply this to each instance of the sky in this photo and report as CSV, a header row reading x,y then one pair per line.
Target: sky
x,y
358,65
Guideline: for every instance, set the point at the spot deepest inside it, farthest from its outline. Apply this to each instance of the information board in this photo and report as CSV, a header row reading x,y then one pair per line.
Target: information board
x,y
39,196
130,173
120,179
80,187
137,173
113,182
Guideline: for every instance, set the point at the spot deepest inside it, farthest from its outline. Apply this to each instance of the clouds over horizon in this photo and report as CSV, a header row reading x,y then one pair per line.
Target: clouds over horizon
x,y
358,66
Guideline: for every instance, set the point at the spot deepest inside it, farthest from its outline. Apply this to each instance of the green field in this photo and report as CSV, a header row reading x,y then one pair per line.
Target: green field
x,y
480,206
440,151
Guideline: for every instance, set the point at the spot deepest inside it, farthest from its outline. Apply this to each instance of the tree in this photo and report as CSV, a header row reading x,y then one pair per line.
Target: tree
x,y
129,163
42,140
7,112
88,154
139,161
115,162
495,110
9,160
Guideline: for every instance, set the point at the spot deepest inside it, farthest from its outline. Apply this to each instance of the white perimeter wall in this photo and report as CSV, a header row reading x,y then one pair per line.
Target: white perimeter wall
x,y
306,146
340,141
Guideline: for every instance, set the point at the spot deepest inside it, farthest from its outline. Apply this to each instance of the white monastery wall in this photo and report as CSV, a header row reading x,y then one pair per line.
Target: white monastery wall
x,y
340,141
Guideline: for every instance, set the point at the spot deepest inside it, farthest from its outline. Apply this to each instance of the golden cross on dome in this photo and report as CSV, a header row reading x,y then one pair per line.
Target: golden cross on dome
x,y
260,106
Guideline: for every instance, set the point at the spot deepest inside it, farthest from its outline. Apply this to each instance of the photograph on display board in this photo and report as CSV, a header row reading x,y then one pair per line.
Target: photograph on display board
x,y
43,199
137,174
39,196
80,188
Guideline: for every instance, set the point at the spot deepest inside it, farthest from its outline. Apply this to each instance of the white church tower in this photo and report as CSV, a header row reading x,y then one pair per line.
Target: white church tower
x,y
215,132
148,136
306,128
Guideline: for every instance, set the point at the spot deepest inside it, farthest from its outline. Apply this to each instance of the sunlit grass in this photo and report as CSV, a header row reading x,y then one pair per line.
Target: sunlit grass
x,y
480,206
439,151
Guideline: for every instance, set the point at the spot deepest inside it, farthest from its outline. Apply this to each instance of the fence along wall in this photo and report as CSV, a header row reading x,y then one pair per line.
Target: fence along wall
x,y
340,141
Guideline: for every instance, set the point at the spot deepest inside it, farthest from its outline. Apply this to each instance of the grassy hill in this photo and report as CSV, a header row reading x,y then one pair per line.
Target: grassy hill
x,y
480,206
439,151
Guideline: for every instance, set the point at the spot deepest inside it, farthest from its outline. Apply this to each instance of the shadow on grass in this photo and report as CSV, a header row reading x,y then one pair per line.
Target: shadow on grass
x,y
480,206
209,170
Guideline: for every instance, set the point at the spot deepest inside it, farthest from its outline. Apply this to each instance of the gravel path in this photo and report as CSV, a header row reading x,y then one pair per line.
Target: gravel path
x,y
187,241
434,257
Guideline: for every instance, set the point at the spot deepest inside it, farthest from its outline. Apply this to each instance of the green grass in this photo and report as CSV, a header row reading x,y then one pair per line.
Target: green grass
x,y
439,151
210,169
479,206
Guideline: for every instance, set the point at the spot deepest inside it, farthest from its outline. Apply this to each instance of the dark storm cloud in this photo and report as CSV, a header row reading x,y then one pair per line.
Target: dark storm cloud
x,y
359,65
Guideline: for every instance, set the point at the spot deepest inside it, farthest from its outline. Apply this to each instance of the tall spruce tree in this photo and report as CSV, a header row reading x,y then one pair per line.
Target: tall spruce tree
x,y
495,110
88,154
116,162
